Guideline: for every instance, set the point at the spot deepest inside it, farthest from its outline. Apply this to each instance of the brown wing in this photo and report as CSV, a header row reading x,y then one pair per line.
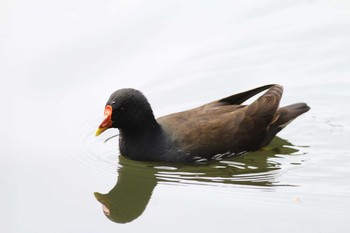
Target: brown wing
x,y
258,117
243,96
223,125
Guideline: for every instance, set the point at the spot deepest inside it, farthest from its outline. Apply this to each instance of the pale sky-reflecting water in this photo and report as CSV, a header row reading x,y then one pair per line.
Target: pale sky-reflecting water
x,y
59,62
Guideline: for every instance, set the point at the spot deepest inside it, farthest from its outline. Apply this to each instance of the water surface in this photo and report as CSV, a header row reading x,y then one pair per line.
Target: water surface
x,y
61,60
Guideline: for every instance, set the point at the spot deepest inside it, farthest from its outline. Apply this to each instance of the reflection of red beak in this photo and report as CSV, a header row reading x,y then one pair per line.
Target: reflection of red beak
x,y
107,122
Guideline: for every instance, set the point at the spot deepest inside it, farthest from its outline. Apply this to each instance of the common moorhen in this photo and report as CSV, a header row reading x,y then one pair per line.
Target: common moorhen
x,y
220,128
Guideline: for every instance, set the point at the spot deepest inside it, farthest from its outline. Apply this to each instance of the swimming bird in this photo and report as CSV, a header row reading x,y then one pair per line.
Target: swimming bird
x,y
224,127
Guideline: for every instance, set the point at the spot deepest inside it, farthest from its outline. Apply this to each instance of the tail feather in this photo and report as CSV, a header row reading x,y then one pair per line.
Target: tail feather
x,y
282,118
289,113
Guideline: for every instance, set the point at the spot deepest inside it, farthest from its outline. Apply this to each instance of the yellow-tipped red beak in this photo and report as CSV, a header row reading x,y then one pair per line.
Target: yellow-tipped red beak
x,y
107,122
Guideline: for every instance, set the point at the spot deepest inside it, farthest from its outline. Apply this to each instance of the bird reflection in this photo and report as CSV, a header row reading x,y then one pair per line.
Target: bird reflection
x,y
136,180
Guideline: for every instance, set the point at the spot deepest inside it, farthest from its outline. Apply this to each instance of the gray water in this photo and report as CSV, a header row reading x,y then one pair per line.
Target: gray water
x,y
61,60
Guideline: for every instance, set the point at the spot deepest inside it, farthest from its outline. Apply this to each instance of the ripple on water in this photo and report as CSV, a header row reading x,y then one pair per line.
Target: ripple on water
x,y
137,180
88,152
256,169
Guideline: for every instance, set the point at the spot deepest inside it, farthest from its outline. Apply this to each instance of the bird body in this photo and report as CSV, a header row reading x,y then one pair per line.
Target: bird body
x,y
220,128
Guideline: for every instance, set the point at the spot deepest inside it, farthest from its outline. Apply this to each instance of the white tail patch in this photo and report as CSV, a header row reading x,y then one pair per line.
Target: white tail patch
x,y
285,124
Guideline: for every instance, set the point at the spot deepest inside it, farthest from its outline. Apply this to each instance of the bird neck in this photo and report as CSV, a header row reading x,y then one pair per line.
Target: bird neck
x,y
140,143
